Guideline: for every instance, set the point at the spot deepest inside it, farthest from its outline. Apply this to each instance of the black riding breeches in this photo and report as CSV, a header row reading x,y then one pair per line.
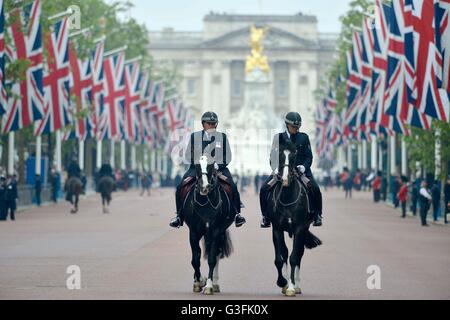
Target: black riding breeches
x,y
314,193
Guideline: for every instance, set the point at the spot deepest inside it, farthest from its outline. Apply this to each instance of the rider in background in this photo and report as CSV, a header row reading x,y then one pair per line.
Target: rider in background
x,y
303,162
218,148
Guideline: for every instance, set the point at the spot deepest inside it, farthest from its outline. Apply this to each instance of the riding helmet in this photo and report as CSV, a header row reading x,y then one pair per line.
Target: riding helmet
x,y
294,119
210,117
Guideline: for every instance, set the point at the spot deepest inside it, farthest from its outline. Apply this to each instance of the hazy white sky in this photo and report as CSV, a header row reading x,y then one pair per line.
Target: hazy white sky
x,y
187,15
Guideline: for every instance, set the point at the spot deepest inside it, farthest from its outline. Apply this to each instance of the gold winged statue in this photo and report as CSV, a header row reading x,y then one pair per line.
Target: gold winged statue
x,y
257,59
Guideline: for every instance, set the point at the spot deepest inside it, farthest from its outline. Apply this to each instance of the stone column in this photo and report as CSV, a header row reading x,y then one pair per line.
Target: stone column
x,y
207,85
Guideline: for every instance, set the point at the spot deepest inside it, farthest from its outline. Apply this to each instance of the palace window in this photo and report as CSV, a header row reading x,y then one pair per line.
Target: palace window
x,y
282,88
191,85
236,88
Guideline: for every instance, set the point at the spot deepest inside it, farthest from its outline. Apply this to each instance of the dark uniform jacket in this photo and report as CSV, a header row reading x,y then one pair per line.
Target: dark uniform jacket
x,y
214,145
303,146
11,194
74,170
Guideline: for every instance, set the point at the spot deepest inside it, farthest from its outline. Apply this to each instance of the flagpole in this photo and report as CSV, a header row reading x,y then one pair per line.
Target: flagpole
x,y
364,155
404,158
374,154
58,152
99,154
349,157
112,155
38,154
81,154
11,153
360,156
123,165
393,153
133,157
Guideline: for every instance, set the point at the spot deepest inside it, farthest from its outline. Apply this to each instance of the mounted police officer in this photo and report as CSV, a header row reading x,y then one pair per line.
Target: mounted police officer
x,y
74,170
304,161
216,145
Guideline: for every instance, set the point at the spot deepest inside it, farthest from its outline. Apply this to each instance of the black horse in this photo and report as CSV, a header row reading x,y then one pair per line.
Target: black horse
x,y
105,187
73,188
289,212
208,214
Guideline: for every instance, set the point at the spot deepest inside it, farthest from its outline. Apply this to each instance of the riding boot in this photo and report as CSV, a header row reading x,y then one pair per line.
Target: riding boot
x,y
317,205
239,220
178,221
265,222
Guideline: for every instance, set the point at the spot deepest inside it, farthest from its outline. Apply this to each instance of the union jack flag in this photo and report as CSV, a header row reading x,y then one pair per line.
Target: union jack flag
x,y
81,90
157,111
3,98
426,60
26,103
114,99
133,80
443,40
353,86
396,96
145,115
173,114
99,117
56,81
380,122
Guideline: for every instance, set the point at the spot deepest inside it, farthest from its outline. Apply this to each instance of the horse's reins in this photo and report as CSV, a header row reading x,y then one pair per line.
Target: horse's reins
x,y
215,207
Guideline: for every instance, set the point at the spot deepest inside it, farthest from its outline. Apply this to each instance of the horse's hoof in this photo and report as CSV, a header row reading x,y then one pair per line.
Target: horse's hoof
x,y
208,292
197,288
283,291
298,291
290,293
216,288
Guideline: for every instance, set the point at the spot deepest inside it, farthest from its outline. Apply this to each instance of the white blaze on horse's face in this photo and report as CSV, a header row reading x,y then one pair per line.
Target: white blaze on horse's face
x,y
204,166
286,168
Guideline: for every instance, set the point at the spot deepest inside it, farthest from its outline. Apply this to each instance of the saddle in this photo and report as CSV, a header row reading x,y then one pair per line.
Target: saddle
x,y
188,183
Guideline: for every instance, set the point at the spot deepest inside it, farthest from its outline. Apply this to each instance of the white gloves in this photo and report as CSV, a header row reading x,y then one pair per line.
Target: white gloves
x,y
216,166
302,169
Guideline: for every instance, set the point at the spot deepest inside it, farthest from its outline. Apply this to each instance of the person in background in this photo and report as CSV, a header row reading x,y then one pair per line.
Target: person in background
x,y
38,189
2,197
416,182
436,195
376,187
384,185
11,196
425,201
395,188
403,195
54,180
447,196
257,182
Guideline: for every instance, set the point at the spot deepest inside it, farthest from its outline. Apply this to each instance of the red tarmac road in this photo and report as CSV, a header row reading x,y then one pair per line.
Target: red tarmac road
x,y
133,254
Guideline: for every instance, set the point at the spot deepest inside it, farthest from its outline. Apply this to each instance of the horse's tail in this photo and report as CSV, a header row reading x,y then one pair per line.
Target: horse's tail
x,y
311,241
224,244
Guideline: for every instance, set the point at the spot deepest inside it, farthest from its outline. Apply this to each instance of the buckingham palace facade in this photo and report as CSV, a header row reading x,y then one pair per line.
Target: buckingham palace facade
x,y
212,62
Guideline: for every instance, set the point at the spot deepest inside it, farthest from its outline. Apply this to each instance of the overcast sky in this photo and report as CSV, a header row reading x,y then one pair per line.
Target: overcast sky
x,y
187,15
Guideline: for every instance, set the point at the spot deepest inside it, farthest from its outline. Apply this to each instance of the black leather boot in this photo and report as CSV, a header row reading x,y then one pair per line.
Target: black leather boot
x,y
265,223
239,220
318,220
176,222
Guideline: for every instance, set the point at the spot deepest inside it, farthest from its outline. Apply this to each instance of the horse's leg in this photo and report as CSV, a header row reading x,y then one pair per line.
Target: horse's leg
x,y
298,249
194,240
277,236
216,286
77,198
212,262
